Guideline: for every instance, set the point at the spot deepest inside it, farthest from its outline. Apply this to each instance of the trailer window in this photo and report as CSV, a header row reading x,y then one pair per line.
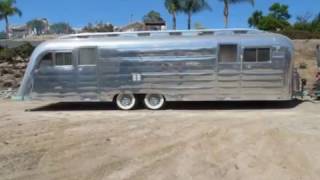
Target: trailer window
x,y
87,56
228,53
256,55
46,60
264,54
250,55
63,59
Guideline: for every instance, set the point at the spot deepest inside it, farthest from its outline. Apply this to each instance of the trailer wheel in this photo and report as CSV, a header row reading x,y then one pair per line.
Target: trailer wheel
x,y
154,101
126,101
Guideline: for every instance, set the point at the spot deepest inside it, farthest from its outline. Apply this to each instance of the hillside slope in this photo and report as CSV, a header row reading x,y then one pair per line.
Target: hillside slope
x,y
305,52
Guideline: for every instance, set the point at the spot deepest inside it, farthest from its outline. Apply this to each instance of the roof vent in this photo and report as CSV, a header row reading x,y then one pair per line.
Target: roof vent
x,y
175,33
240,32
203,33
113,35
83,37
144,34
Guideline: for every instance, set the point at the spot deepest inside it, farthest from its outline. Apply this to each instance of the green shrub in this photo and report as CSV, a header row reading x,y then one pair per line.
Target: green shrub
x,y
6,54
25,50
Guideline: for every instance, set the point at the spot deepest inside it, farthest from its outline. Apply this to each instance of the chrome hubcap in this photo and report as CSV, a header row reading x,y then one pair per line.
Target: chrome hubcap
x,y
125,100
154,100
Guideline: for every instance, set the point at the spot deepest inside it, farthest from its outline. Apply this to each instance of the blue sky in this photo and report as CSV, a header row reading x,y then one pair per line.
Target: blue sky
x,y
79,12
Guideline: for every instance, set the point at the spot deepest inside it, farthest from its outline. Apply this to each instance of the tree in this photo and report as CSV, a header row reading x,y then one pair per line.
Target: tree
x,y
99,27
304,23
152,17
270,23
37,25
198,25
226,8
315,23
304,18
255,19
280,11
8,8
193,6
173,6
277,18
61,28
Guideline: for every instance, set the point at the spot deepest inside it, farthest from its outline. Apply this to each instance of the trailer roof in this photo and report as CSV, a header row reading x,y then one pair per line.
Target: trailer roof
x,y
212,32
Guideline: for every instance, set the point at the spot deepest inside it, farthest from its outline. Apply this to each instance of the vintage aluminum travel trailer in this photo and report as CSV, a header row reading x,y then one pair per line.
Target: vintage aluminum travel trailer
x,y
206,65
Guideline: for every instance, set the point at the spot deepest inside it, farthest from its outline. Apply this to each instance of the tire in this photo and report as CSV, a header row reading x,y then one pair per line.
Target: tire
x,y
126,101
154,101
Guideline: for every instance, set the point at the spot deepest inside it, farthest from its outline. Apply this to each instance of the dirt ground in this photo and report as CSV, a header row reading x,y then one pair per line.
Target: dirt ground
x,y
93,141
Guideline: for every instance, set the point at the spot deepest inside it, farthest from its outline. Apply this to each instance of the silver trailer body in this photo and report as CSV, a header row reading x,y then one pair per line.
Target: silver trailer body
x,y
209,65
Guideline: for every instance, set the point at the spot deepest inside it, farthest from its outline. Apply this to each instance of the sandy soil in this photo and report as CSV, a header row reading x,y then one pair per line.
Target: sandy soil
x,y
92,141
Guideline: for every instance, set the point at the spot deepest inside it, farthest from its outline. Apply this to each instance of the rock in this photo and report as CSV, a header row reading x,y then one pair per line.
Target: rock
x,y
9,76
6,94
4,64
18,75
19,59
21,65
8,83
16,85
8,80
7,71
11,72
4,71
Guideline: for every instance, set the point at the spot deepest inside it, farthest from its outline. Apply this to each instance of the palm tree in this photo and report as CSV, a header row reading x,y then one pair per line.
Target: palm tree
x,y
193,6
226,8
173,6
8,8
255,19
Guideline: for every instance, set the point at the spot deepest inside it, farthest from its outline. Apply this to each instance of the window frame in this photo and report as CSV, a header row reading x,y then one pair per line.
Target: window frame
x,y
41,56
87,47
62,52
257,48
238,60
53,53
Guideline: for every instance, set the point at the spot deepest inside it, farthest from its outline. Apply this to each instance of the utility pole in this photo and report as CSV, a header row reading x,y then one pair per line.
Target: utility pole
x,y
131,19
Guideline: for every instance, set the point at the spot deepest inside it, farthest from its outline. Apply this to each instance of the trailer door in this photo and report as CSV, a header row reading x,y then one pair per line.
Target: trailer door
x,y
229,72
87,80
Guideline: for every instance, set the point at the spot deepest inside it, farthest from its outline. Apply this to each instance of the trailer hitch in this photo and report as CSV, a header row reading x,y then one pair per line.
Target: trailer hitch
x,y
303,85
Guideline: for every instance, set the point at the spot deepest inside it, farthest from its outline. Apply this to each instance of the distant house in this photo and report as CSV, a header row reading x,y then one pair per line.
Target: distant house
x,y
19,31
155,26
136,26
77,29
23,31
